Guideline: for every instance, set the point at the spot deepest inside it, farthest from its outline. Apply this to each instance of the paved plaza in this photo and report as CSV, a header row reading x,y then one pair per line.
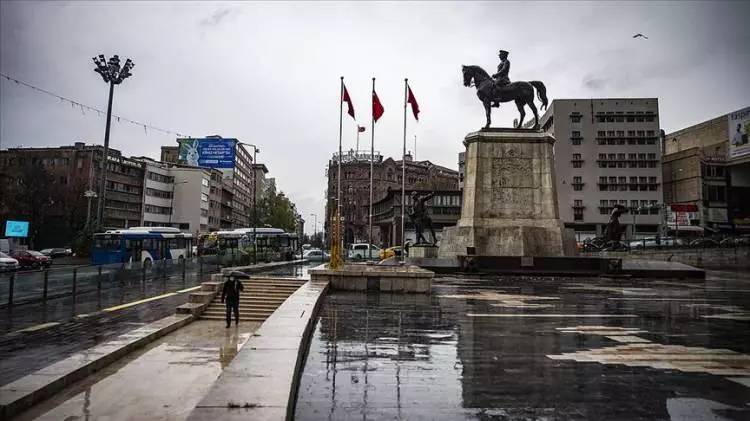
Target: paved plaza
x,y
534,348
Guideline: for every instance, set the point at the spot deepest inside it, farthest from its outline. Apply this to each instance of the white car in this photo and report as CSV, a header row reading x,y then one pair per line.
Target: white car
x,y
315,255
8,263
359,251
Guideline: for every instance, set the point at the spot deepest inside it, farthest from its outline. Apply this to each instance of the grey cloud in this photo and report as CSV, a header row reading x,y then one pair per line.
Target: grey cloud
x,y
217,17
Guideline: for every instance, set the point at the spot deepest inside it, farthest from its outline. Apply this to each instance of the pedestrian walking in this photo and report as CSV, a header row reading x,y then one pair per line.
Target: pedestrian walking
x,y
230,294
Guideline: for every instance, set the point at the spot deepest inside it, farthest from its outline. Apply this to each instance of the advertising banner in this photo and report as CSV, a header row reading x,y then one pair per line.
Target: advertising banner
x,y
207,152
739,127
16,228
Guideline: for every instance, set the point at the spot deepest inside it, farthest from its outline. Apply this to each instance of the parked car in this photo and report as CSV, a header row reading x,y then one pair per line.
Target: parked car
x,y
8,263
316,255
31,259
735,242
704,242
359,251
390,252
57,252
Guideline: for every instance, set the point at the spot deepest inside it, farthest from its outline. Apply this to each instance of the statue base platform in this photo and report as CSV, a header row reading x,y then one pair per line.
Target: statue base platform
x,y
423,251
509,203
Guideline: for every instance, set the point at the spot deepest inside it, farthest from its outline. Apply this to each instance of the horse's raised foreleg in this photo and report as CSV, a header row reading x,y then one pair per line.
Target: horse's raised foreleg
x,y
519,104
488,111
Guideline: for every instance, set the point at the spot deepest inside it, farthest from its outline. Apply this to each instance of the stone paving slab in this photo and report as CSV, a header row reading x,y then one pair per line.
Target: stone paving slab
x,y
261,382
21,394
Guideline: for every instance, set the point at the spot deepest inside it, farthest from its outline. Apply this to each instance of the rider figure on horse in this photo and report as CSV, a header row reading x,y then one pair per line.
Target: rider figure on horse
x,y
501,77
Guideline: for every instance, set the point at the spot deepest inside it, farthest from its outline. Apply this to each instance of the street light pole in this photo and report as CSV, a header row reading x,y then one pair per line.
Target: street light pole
x,y
255,207
112,74
315,225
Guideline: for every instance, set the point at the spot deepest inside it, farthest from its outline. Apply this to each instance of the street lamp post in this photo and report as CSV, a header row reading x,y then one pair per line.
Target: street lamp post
x,y
113,74
255,208
315,225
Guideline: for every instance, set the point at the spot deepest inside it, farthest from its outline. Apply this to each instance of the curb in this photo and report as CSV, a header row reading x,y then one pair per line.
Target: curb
x,y
29,390
262,380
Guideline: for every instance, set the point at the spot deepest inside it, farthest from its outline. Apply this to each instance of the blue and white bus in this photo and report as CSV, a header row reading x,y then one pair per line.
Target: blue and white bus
x,y
141,244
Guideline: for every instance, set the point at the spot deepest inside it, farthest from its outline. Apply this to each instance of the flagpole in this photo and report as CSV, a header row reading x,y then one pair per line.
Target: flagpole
x,y
338,176
403,172
372,158
356,152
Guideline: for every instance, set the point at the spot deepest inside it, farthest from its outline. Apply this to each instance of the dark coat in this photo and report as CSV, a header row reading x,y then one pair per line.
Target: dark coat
x,y
231,291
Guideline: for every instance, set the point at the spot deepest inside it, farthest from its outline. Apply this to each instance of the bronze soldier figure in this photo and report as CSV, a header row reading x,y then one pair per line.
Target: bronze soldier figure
x,y
420,217
613,233
501,77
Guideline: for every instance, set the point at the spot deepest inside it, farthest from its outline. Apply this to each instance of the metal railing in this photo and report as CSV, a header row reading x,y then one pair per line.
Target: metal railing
x,y
34,286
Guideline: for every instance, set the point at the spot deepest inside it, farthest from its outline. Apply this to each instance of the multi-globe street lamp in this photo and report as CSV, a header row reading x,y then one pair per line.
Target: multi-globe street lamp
x,y
113,74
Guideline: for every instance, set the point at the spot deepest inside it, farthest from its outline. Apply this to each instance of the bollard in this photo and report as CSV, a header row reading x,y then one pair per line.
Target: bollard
x,y
46,285
11,284
183,270
200,267
99,281
75,281
143,274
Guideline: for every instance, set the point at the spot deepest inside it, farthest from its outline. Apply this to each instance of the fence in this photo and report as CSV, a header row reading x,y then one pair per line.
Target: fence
x,y
24,287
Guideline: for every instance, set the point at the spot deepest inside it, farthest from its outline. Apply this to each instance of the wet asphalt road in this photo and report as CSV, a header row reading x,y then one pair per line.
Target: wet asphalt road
x,y
518,349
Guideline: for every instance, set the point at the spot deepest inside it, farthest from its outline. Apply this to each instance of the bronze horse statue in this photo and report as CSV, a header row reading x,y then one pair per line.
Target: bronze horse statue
x,y
520,92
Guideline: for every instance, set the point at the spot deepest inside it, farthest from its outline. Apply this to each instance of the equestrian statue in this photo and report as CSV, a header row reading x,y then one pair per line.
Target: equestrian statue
x,y
498,88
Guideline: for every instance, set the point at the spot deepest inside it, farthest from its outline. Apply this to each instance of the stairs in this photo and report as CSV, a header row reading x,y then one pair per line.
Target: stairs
x,y
262,296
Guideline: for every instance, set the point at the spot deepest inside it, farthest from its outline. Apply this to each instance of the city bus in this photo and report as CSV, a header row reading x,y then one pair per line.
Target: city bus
x,y
273,243
141,244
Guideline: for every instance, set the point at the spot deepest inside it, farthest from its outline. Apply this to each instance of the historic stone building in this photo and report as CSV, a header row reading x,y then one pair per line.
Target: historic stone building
x,y
355,188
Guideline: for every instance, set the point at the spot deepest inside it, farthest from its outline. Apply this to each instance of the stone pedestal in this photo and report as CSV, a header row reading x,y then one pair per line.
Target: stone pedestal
x,y
423,251
509,200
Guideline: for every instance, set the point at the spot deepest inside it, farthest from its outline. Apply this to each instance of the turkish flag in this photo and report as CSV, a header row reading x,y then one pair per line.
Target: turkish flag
x,y
360,129
377,107
414,106
348,100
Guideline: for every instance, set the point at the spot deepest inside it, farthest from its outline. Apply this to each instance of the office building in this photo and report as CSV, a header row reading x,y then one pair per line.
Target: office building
x,y
607,153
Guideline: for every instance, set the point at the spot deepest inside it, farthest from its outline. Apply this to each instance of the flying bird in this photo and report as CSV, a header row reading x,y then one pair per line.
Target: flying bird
x,y
640,35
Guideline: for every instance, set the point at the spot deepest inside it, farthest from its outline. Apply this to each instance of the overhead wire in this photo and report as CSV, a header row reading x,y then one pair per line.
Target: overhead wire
x,y
83,107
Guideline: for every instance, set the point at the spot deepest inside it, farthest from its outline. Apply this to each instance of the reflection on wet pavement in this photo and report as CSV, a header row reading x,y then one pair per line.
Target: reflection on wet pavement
x,y
164,381
595,349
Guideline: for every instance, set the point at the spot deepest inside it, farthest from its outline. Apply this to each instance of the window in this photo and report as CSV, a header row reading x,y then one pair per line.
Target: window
x,y
578,203
204,197
601,133
610,133
577,183
620,133
577,162
621,156
602,180
204,182
575,118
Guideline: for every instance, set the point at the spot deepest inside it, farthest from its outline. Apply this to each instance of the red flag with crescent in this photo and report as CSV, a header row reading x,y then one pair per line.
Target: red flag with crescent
x,y
348,101
377,107
414,106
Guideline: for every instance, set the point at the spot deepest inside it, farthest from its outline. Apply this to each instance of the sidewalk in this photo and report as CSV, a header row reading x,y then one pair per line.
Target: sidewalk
x,y
24,352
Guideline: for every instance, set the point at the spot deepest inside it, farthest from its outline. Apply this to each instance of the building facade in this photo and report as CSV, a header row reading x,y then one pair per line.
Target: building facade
x,y
355,188
57,206
607,153
706,174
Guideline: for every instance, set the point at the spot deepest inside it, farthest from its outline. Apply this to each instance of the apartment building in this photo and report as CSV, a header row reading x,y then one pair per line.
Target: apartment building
x,y
607,153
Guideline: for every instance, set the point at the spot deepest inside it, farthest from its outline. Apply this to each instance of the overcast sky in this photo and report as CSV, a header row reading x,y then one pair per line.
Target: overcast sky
x,y
268,73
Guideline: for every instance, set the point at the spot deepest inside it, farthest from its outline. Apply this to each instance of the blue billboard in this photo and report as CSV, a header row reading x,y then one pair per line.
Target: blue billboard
x,y
16,228
207,152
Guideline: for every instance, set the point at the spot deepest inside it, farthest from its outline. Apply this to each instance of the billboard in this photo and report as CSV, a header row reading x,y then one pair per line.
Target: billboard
x,y
207,152
739,127
16,228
